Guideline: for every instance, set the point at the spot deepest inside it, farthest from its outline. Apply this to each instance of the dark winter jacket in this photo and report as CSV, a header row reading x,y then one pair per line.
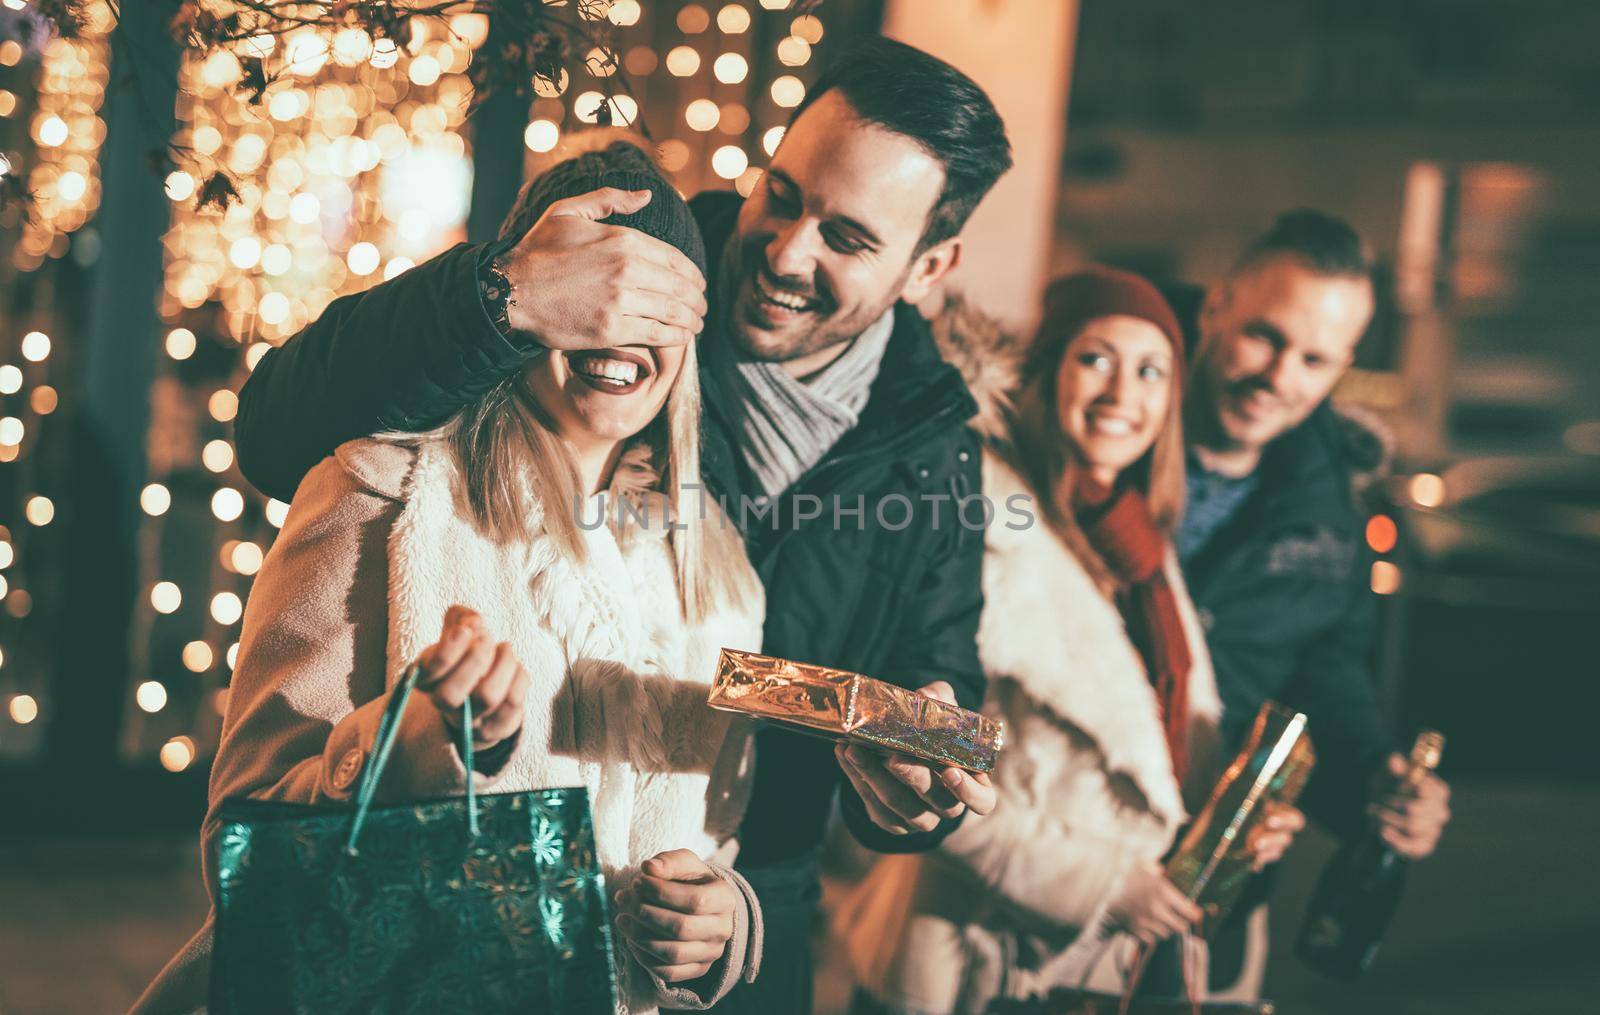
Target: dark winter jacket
x,y
1283,591
866,562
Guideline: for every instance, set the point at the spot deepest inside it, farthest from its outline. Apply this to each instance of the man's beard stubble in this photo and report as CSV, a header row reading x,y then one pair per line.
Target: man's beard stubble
x,y
735,275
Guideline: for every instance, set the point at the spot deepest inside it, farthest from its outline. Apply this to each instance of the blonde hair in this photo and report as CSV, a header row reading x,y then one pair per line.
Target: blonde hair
x,y
514,467
1041,451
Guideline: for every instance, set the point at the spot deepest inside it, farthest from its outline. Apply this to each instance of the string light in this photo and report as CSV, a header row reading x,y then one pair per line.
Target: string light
x,y
227,504
224,405
363,258
198,657
35,346
226,608
166,597
771,139
276,512
734,119
682,61
541,135
788,91
155,499
179,185
729,161
23,708
794,51
730,68
624,12
40,510
151,696
702,114
180,343
65,176
217,456
693,19
43,400
10,380
807,27
246,558
733,19
640,61
177,754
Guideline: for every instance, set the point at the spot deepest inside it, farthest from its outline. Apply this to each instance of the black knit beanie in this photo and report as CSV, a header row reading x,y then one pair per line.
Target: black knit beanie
x,y
625,167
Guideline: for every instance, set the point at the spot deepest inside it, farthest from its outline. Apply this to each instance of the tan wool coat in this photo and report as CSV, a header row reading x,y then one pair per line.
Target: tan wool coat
x,y
377,545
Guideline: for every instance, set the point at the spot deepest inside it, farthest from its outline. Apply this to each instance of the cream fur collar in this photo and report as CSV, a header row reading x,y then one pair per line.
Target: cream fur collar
x,y
1048,628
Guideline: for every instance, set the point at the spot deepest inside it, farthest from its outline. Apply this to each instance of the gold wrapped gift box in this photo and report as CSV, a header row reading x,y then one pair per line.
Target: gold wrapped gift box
x,y
842,705
1213,862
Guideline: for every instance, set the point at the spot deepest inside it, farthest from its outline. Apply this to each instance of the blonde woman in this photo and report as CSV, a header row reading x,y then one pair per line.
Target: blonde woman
x,y
543,553
1097,664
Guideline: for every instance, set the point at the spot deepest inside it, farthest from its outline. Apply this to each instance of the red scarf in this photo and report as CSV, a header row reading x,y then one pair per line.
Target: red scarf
x,y
1117,524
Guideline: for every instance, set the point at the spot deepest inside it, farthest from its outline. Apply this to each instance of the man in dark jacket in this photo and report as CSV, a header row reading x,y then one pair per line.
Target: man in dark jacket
x,y
1272,540
832,428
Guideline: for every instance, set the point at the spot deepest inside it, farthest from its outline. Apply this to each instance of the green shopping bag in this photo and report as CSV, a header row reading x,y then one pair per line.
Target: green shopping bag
x,y
490,903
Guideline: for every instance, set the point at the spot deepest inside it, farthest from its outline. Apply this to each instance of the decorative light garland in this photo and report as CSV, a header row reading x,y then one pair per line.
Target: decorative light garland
x,y
352,166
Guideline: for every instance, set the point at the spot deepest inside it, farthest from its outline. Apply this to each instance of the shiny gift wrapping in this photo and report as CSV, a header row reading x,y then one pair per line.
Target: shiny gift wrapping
x,y
847,706
1213,862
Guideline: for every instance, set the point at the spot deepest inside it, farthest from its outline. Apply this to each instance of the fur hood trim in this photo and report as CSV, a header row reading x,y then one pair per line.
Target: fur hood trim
x,y
988,357
1047,628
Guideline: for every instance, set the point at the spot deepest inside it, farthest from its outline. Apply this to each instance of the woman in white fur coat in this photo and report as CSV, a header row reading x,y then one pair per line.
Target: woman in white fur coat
x,y
522,555
1097,664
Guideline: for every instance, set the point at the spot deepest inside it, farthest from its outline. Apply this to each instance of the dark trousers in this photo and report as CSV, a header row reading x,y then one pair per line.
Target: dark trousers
x,y
789,893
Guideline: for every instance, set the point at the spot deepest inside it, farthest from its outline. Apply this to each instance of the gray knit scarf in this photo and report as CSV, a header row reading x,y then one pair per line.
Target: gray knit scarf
x,y
786,425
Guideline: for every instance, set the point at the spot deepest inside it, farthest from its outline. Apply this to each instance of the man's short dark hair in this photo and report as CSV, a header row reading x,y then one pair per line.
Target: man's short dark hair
x,y
1323,243
912,93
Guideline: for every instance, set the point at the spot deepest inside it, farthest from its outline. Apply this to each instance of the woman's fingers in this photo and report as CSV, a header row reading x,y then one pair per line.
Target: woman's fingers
x,y
711,898
492,686
670,951
661,924
453,686
505,718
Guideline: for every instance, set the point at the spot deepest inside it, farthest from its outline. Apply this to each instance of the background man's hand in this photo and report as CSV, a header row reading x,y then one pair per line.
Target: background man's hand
x,y
903,794
578,283
1410,818
677,916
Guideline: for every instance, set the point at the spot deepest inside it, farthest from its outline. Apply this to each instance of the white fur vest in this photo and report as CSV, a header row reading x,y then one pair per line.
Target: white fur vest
x,y
619,680
1085,783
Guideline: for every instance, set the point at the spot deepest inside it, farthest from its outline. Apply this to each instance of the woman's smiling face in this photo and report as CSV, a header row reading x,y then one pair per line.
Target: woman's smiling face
x,y
603,394
1113,389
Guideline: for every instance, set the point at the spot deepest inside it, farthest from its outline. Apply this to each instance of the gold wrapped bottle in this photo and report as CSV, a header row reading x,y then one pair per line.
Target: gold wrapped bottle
x,y
1213,864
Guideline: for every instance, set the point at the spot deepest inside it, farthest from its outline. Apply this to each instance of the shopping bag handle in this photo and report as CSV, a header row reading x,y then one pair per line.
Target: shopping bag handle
x,y
383,745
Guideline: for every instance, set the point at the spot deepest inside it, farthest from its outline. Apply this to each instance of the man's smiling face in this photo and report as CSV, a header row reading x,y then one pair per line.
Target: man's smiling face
x,y
829,238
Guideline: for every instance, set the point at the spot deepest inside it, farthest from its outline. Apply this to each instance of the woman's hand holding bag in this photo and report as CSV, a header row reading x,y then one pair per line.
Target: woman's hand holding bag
x,y
466,663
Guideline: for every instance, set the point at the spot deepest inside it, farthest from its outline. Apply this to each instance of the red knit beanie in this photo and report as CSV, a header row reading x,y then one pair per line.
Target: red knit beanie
x,y
1071,301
